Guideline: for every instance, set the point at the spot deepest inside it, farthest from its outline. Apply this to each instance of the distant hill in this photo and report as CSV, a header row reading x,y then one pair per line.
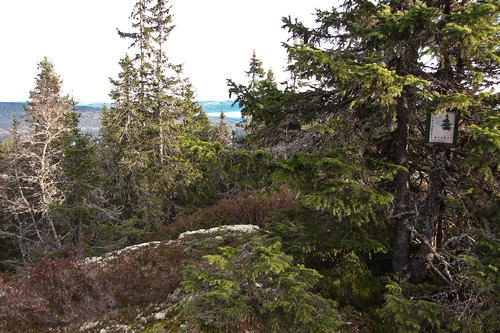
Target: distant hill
x,y
90,115
213,108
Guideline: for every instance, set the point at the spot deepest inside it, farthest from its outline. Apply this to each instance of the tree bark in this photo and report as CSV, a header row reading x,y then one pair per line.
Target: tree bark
x,y
426,251
401,255
405,106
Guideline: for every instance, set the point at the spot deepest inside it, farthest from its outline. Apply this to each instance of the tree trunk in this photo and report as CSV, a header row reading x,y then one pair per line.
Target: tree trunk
x,y
406,64
425,254
401,255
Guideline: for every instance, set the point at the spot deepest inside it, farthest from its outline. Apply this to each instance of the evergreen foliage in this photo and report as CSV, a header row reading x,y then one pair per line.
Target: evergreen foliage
x,y
144,153
256,111
255,286
401,314
403,235
365,78
37,167
222,135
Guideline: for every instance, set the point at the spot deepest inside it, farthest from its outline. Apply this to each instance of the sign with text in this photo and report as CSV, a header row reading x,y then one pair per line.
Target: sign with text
x,y
442,128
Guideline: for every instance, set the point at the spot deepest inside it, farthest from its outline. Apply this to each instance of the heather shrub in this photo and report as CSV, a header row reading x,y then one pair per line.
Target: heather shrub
x,y
51,292
61,292
11,297
142,277
244,208
64,290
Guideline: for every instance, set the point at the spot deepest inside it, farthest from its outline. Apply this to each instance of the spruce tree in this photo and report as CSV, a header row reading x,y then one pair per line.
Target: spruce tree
x,y
260,112
222,133
51,119
142,132
395,60
364,79
255,72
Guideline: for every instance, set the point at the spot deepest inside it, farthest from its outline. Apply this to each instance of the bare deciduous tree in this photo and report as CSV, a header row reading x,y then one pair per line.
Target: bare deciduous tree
x,y
34,171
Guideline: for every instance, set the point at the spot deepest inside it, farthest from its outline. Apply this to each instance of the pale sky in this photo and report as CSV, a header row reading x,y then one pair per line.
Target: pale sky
x,y
214,39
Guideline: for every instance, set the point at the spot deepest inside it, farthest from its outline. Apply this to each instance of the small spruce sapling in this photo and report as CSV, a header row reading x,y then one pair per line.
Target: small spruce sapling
x,y
255,286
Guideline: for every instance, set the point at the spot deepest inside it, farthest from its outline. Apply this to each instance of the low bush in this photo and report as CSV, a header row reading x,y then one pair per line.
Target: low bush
x,y
255,288
50,292
143,277
402,313
120,287
351,283
244,208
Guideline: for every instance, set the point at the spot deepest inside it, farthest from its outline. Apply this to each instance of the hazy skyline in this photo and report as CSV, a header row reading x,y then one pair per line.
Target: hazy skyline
x,y
213,39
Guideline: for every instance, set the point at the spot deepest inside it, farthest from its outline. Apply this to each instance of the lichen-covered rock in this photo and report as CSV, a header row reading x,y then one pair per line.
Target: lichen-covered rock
x,y
240,229
134,289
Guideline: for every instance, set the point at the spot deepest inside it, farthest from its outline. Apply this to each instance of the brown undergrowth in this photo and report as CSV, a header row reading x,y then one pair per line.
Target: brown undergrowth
x,y
244,208
64,292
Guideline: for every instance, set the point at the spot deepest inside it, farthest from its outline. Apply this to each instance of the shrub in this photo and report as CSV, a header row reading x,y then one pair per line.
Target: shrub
x,y
478,288
255,287
352,283
143,277
51,292
245,208
404,314
121,287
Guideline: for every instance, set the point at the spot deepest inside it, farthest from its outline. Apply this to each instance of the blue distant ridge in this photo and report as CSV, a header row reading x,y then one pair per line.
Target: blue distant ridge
x,y
216,106
212,109
94,105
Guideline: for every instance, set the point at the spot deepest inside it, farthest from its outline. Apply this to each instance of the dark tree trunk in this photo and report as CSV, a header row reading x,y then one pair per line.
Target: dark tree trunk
x,y
428,246
401,254
405,106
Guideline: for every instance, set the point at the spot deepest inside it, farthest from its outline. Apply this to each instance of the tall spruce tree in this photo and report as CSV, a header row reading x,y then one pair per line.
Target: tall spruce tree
x,y
374,70
397,60
362,83
222,135
255,72
51,119
260,112
142,132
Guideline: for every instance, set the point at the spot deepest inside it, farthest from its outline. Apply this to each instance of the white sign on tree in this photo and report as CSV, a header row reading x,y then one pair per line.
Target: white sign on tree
x,y
442,128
